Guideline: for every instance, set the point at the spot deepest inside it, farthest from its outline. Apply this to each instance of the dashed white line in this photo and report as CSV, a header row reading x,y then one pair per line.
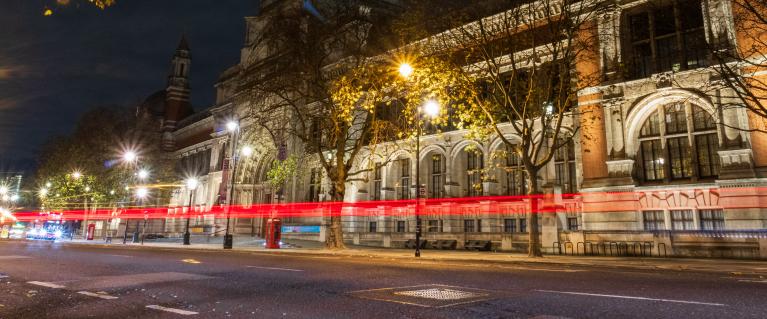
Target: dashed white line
x,y
173,310
93,294
45,284
764,281
126,256
14,257
275,268
633,297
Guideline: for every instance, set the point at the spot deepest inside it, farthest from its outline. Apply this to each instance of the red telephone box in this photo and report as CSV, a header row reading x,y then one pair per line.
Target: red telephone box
x,y
273,233
91,231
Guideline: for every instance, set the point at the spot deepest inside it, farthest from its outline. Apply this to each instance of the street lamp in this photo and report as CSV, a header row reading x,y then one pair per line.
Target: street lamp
x,y
130,156
3,190
430,108
405,70
247,151
191,184
76,175
142,174
234,129
142,193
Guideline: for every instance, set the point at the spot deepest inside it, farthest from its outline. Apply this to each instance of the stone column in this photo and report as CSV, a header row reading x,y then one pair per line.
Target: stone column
x,y
592,124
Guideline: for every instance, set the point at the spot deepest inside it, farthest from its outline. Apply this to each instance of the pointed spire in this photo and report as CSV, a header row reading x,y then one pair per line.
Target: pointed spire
x,y
183,45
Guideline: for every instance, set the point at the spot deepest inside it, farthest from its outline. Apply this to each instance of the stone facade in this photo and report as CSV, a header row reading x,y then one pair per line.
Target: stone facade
x,y
689,181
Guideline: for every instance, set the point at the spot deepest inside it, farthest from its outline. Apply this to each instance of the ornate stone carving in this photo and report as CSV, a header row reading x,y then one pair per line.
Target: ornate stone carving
x,y
664,79
736,159
620,168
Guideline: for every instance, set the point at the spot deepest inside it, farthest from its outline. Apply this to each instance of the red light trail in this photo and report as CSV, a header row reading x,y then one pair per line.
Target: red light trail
x,y
595,202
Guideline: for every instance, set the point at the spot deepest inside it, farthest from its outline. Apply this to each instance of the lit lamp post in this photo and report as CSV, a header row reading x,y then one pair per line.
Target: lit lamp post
x,y
234,130
141,195
431,108
191,184
129,158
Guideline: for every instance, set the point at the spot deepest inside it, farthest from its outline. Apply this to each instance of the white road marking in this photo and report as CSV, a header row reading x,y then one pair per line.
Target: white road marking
x,y
763,281
173,310
633,297
274,268
45,284
93,294
13,257
126,256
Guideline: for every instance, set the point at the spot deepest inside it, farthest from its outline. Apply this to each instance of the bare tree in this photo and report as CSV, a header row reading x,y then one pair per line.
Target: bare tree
x,y
528,64
741,67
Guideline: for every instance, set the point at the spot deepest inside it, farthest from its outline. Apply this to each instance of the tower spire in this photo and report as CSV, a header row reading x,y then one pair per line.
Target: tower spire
x,y
177,91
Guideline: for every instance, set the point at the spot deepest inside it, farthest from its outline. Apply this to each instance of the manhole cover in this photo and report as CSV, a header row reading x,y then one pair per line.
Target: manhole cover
x,y
435,296
440,294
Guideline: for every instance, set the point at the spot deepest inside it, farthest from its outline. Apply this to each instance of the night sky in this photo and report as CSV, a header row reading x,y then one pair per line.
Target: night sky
x,y
52,69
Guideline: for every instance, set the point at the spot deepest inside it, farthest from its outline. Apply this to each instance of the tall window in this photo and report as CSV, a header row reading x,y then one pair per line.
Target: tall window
x,y
474,166
404,179
468,225
435,226
373,227
509,225
711,219
437,188
682,220
682,146
400,226
377,182
564,167
664,37
654,220
516,179
315,185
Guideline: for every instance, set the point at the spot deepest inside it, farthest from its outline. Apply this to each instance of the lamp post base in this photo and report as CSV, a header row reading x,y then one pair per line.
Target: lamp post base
x,y
228,240
187,237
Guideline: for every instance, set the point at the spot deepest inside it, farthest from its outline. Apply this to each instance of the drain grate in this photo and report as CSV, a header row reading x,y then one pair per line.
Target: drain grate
x,y
440,294
432,296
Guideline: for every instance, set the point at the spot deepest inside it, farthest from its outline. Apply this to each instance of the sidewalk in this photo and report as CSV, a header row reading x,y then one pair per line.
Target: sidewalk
x,y
295,247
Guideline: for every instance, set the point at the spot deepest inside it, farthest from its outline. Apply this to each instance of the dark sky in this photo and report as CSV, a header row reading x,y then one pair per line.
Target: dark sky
x,y
54,68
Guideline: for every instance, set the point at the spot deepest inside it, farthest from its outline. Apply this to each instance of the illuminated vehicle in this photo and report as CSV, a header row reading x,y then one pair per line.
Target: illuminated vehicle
x,y
48,233
17,231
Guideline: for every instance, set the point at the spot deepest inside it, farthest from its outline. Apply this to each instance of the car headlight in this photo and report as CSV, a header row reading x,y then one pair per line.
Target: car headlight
x,y
57,234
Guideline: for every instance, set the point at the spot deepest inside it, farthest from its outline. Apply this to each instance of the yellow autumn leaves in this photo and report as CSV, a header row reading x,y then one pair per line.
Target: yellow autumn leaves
x,y
101,4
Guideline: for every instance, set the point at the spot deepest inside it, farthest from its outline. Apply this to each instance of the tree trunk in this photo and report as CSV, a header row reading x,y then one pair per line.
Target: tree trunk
x,y
335,235
534,239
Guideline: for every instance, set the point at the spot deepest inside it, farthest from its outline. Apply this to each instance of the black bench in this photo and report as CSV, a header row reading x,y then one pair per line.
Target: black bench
x,y
444,244
481,245
410,243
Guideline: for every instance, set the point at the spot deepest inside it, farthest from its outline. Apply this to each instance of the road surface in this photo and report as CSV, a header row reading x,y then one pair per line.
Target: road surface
x,y
54,280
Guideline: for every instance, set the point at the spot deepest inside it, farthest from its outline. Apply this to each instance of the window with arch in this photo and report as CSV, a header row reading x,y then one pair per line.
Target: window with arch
x,y
315,185
404,179
677,142
516,178
564,166
474,165
377,182
437,179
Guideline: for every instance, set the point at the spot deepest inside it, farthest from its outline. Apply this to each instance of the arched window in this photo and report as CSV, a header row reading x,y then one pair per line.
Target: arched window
x,y
403,187
437,180
474,165
677,142
564,166
516,180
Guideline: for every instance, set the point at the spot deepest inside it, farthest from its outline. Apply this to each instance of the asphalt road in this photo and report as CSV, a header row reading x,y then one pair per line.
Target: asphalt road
x,y
51,280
